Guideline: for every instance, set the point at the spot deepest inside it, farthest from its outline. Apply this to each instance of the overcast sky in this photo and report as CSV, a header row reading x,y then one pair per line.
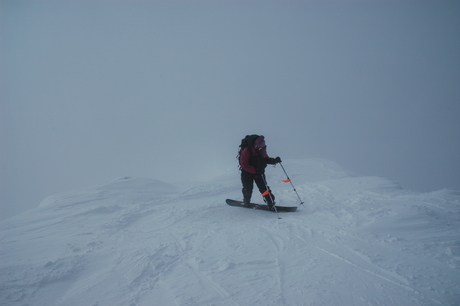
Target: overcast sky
x,y
96,90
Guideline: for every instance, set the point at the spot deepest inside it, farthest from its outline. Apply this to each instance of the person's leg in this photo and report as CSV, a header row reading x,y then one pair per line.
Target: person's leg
x,y
261,184
247,180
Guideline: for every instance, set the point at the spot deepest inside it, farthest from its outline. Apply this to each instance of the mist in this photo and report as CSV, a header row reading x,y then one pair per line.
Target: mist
x,y
96,90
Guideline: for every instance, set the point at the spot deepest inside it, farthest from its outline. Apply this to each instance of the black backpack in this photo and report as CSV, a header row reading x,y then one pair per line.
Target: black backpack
x,y
247,141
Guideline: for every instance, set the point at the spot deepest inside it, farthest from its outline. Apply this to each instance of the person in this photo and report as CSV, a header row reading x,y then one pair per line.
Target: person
x,y
253,160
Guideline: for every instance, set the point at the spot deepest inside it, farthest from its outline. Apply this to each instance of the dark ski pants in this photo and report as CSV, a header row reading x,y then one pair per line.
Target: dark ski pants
x,y
248,179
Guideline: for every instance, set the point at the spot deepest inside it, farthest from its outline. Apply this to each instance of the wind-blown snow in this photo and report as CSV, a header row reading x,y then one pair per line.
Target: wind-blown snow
x,y
355,241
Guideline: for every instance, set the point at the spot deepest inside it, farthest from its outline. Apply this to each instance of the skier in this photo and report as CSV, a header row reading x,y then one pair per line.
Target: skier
x,y
253,160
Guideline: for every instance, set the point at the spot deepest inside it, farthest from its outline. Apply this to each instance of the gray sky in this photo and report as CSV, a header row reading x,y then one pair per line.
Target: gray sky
x,y
95,90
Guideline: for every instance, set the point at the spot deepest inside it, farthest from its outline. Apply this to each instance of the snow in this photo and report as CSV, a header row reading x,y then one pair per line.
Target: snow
x,y
140,241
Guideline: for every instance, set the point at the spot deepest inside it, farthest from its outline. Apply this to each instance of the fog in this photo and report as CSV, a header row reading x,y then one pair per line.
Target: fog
x,y
96,90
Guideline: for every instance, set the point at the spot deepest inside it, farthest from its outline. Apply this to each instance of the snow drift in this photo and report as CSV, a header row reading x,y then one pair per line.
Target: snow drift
x,y
135,241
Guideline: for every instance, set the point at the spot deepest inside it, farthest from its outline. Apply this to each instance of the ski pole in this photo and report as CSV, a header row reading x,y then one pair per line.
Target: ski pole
x,y
269,193
289,180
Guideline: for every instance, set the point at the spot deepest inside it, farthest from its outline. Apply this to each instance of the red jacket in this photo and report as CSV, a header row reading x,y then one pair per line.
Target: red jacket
x,y
255,162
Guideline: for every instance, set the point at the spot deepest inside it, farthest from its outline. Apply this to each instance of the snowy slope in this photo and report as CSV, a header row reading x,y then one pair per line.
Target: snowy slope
x,y
355,241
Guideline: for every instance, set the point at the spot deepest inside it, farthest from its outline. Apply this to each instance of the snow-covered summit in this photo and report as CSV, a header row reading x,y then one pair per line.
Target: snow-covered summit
x,y
140,241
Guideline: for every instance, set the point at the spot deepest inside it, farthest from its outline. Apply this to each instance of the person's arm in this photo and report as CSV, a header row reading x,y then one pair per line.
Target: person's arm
x,y
270,160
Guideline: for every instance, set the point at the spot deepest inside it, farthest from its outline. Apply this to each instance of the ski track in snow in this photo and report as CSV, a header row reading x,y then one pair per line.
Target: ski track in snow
x,y
355,241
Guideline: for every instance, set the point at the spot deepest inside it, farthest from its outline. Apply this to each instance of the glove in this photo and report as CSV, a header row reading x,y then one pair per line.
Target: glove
x,y
277,159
